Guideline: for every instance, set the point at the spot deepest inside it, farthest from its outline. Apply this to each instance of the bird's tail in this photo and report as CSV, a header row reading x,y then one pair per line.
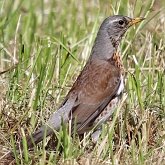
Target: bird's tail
x,y
53,124
37,136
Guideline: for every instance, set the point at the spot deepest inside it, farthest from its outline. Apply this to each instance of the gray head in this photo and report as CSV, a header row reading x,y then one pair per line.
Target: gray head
x,y
110,34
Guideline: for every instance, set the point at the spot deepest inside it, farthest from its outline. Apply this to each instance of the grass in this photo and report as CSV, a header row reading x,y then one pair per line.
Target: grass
x,y
43,47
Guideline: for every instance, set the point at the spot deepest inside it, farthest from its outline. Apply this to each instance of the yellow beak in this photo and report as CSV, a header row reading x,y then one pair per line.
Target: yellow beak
x,y
135,21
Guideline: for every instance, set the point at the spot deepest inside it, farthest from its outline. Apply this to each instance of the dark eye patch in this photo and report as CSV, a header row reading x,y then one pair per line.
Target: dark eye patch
x,y
121,22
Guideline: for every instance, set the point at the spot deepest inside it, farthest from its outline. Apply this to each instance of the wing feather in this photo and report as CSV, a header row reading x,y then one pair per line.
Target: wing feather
x,y
96,86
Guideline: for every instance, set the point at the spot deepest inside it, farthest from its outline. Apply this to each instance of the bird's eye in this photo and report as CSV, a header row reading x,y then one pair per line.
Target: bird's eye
x,y
121,22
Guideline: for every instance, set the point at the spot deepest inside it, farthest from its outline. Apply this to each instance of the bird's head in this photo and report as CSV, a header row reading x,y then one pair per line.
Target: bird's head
x,y
110,34
117,25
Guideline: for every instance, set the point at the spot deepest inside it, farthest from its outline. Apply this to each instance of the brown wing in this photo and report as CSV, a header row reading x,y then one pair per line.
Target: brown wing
x,y
95,88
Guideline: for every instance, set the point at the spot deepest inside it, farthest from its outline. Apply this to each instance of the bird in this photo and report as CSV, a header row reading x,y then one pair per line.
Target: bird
x,y
97,90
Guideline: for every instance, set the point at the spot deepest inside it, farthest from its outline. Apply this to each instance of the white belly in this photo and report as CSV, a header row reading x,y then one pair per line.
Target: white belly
x,y
121,86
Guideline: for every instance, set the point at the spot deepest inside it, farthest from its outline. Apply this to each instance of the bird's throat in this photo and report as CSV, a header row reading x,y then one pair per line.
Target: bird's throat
x,y
104,46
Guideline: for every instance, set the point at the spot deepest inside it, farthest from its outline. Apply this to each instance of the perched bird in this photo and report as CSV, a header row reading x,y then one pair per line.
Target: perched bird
x,y
96,91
